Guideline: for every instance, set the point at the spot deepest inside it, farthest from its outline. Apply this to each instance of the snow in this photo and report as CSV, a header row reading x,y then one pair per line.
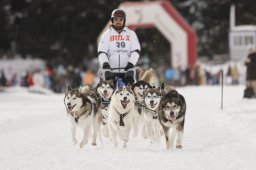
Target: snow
x,y
35,134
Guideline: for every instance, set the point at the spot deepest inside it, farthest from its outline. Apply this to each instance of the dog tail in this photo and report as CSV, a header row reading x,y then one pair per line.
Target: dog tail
x,y
84,89
147,75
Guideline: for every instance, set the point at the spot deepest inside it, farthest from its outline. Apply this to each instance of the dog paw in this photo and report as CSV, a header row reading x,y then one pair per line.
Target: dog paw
x,y
82,144
179,146
124,146
74,142
115,145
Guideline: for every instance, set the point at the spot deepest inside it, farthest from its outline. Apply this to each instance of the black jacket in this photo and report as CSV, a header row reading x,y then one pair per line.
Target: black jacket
x,y
251,67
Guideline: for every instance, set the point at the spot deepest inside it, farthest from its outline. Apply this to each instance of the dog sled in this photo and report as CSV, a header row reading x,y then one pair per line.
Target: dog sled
x,y
106,74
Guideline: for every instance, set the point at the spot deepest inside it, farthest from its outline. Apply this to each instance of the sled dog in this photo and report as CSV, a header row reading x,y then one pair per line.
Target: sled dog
x,y
152,127
82,108
138,89
120,114
105,89
172,111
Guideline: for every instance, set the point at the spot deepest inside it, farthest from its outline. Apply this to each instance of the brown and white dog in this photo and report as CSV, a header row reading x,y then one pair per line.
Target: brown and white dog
x,y
83,109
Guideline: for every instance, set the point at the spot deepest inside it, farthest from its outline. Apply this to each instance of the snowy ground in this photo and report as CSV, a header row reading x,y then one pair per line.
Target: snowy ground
x,y
34,134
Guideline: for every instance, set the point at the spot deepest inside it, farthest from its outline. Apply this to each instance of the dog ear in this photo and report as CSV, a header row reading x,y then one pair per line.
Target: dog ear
x,y
162,86
129,87
162,90
69,88
119,89
110,82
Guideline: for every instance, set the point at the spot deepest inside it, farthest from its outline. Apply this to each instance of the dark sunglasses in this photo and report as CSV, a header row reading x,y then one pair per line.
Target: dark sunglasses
x,y
119,19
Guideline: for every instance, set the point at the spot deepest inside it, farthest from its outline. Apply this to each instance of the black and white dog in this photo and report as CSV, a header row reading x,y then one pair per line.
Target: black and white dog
x,y
138,89
120,116
152,127
83,108
172,111
105,89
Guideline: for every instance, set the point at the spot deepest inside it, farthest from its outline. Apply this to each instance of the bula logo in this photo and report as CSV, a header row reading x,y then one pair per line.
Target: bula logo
x,y
120,37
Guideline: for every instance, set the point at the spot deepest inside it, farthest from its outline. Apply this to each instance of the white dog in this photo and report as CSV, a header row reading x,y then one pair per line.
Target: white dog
x,y
120,114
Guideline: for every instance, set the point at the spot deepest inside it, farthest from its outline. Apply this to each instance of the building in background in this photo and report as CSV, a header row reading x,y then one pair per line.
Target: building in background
x,y
240,37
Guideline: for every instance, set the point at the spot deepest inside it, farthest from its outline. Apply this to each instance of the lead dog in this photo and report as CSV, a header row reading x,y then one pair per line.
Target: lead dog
x,y
172,111
83,111
120,115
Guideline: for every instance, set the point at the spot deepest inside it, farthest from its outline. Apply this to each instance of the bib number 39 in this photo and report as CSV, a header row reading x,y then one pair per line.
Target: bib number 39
x,y
120,44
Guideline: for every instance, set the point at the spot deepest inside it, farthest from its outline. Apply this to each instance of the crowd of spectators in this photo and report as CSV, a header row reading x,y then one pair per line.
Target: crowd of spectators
x,y
53,78
59,77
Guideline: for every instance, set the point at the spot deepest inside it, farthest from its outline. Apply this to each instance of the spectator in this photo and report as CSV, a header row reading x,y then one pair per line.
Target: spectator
x,y
250,62
3,80
235,75
89,78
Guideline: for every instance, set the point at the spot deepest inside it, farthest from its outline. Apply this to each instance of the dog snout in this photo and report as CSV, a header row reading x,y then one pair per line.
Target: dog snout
x,y
68,104
105,91
151,102
171,114
125,98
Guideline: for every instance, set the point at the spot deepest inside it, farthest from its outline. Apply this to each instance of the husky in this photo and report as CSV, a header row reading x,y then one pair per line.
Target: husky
x,y
82,108
120,114
105,89
138,89
152,125
172,111
151,77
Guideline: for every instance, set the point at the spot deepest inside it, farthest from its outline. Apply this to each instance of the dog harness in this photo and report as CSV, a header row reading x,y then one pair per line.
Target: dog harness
x,y
104,104
139,105
121,120
154,113
83,112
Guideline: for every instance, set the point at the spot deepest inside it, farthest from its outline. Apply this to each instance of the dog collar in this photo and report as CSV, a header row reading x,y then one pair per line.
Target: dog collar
x,y
82,112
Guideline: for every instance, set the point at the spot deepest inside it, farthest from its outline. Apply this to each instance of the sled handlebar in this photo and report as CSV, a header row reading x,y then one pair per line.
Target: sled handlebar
x,y
102,72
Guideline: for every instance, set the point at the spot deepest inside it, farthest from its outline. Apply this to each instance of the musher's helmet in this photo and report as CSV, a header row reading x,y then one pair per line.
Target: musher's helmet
x,y
118,13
